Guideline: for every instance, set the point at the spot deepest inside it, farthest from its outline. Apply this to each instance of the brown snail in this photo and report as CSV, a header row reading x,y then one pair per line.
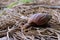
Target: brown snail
x,y
38,19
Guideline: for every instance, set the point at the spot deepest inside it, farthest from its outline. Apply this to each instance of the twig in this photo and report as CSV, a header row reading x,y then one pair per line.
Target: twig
x,y
8,34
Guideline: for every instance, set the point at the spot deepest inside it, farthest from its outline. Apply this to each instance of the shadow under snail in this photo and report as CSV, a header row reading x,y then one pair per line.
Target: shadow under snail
x,y
38,19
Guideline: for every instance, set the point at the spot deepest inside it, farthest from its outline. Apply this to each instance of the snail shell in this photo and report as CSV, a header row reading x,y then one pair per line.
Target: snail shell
x,y
39,19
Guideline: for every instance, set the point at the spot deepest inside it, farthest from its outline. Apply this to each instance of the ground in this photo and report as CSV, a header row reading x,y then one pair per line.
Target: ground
x,y
12,21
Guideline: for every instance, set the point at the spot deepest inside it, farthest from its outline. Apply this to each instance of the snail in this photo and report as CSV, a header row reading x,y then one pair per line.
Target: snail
x,y
38,19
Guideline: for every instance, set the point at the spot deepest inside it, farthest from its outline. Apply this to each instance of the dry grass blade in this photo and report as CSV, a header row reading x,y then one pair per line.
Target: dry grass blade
x,y
53,30
30,37
58,35
42,38
14,38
